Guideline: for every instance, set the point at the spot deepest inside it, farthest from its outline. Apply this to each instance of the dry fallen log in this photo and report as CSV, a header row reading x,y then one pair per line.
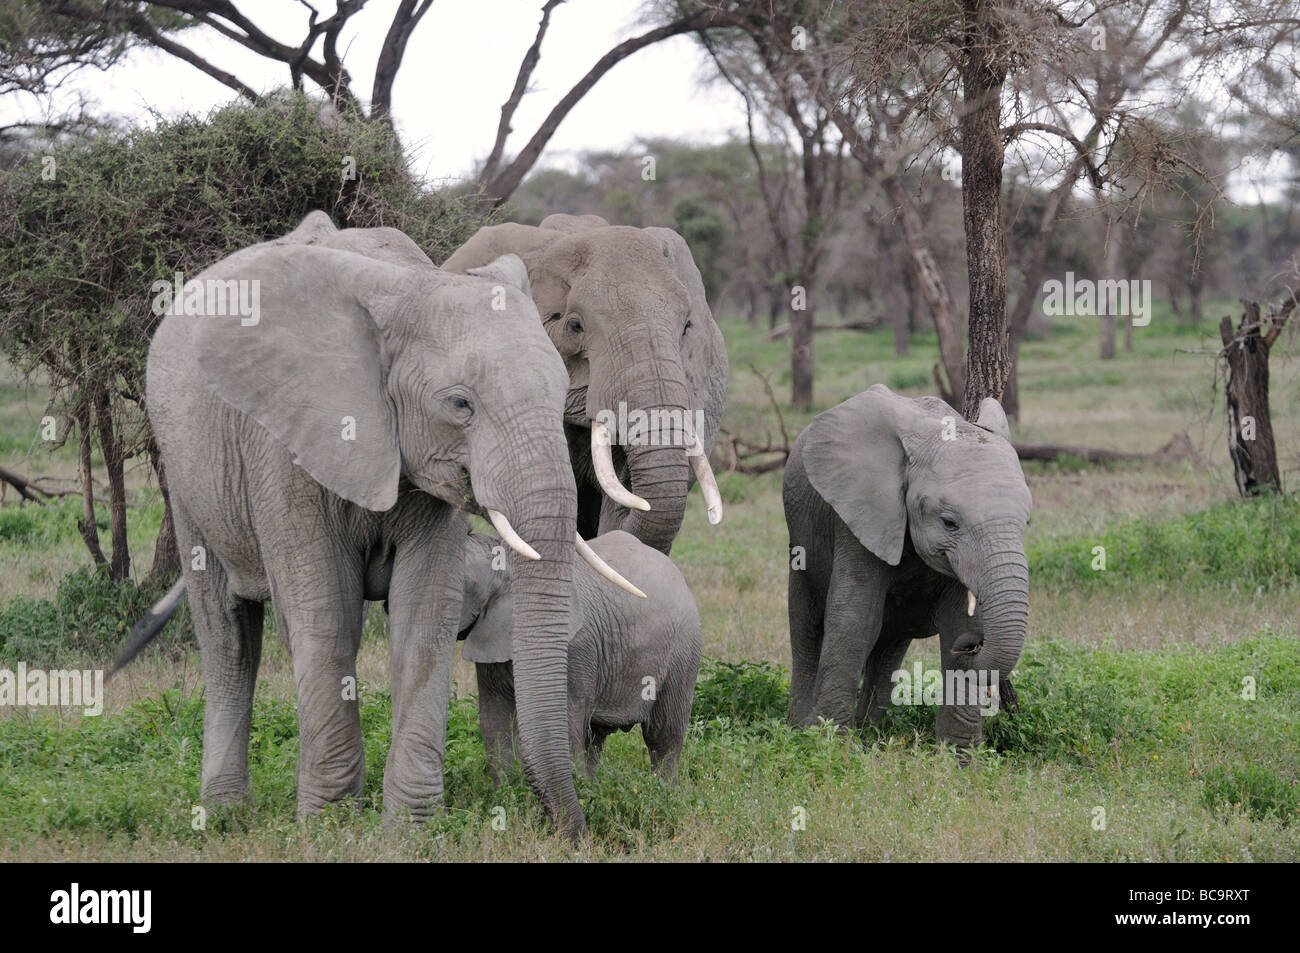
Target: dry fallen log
x,y
1178,448
25,487
783,330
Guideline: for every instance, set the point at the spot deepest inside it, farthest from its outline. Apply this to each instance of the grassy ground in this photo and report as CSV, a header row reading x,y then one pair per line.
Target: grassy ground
x,y
1160,696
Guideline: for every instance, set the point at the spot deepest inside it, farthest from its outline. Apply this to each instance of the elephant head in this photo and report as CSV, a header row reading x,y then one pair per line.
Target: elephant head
x,y
625,309
436,382
487,609
898,469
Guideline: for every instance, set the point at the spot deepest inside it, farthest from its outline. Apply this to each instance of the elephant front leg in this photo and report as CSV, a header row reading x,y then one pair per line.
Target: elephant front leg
x,y
854,608
331,757
878,678
424,603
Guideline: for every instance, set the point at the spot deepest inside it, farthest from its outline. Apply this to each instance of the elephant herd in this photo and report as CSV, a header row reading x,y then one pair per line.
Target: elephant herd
x,y
566,382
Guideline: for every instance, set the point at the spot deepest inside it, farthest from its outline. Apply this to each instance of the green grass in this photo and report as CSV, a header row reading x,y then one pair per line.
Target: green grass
x,y
1098,728
1131,684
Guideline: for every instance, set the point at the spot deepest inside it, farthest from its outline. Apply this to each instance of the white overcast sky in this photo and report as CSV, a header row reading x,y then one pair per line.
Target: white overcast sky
x,y
459,68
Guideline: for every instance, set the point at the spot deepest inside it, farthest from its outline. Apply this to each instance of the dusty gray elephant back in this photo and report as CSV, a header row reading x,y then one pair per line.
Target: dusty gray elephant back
x,y
626,310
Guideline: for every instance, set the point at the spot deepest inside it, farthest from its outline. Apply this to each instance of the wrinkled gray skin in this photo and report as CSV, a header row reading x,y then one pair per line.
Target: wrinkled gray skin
x,y
250,419
616,302
617,642
897,524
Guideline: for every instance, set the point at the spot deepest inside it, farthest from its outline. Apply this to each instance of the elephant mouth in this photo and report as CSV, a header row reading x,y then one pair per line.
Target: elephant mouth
x,y
602,460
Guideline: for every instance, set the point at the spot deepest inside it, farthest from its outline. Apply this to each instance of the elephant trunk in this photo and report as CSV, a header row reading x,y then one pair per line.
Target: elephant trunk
x,y
1002,592
653,427
537,491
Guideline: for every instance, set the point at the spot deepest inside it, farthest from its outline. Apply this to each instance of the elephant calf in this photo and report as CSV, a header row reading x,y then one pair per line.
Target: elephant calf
x,y
632,661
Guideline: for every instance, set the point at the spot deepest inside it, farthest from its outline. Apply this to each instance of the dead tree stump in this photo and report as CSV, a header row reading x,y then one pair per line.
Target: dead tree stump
x,y
1250,428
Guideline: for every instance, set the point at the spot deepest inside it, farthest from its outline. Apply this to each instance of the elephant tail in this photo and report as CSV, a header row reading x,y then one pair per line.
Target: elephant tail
x,y
147,629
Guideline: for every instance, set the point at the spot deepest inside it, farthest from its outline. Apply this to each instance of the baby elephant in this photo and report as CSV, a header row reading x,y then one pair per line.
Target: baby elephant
x,y
632,661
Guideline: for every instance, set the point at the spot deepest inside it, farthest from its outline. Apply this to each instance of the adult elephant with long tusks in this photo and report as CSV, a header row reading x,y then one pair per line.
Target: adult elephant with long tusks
x,y
318,453
625,309
905,520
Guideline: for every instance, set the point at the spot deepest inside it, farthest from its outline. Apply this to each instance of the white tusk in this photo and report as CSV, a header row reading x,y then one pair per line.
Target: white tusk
x,y
603,460
970,602
704,476
510,537
604,568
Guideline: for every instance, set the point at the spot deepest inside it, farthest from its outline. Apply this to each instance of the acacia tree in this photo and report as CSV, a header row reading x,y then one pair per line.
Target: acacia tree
x,y
52,38
753,62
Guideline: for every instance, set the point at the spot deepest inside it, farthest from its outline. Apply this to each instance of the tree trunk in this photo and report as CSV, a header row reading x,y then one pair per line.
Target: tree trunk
x,y
86,524
1111,264
801,356
931,281
166,557
1250,428
988,363
110,444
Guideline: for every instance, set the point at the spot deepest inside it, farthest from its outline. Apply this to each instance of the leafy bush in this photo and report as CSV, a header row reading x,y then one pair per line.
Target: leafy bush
x,y
740,691
88,618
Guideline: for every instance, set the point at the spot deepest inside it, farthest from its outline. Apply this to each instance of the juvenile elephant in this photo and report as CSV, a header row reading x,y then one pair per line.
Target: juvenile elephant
x,y
631,661
911,521
317,451
625,309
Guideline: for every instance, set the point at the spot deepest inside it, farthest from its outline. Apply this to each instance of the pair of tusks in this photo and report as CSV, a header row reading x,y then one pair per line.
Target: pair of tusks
x,y
602,459
517,543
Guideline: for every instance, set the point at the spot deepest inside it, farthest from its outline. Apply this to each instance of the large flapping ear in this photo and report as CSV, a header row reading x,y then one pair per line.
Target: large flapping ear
x,y
491,637
856,459
309,364
993,418
507,269
561,222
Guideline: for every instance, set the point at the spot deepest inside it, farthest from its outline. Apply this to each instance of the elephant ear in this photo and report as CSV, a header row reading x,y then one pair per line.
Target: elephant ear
x,y
560,222
507,269
993,418
310,367
856,459
491,637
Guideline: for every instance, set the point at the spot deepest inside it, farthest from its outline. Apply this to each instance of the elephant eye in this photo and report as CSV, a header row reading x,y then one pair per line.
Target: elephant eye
x,y
574,325
460,403
687,327
948,523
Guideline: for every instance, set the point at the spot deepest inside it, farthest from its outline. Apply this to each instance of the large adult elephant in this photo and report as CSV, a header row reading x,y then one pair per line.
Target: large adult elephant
x,y
908,521
625,309
318,451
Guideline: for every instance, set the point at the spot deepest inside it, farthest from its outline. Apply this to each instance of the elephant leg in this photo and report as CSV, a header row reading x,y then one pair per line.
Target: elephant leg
x,y
877,679
905,619
581,728
958,724
496,716
320,619
854,609
229,631
595,745
805,645
424,598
